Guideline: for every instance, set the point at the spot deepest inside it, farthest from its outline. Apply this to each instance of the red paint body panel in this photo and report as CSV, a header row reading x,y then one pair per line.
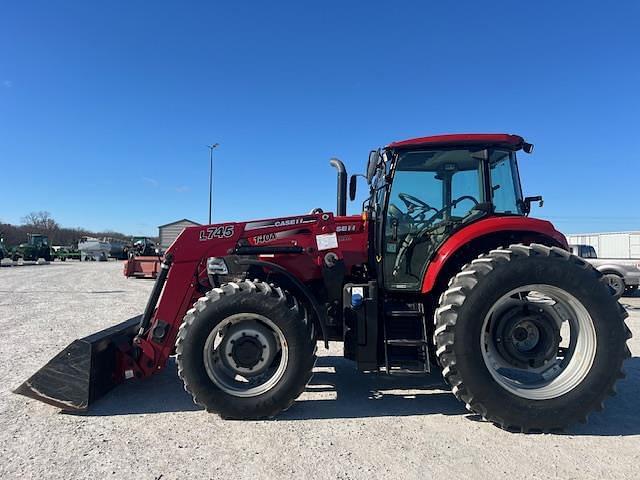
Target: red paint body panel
x,y
512,141
481,228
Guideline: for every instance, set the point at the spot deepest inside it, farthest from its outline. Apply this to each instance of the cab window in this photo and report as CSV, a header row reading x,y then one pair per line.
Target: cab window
x,y
505,186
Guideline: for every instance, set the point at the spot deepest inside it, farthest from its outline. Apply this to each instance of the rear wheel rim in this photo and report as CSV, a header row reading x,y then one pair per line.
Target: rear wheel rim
x,y
246,355
538,342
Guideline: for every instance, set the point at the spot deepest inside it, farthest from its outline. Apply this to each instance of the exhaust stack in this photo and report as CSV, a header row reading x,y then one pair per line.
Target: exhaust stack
x,y
341,207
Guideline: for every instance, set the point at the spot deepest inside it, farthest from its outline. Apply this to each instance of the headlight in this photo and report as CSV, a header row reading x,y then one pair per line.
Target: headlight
x,y
216,266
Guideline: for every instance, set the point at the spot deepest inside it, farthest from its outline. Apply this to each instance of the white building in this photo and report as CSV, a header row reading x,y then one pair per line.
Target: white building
x,y
610,244
170,231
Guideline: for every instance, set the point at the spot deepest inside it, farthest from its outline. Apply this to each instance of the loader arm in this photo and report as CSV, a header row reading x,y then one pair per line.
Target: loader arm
x,y
296,246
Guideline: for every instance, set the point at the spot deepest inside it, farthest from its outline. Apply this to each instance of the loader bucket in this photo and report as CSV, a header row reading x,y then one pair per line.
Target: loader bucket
x,y
84,371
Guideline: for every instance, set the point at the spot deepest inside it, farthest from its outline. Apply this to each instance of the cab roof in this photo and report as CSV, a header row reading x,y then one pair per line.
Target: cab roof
x,y
513,142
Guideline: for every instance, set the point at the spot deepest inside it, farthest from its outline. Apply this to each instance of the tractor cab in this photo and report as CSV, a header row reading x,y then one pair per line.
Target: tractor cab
x,y
425,190
37,240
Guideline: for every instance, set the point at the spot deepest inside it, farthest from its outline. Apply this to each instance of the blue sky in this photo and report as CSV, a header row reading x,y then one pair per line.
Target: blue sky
x,y
106,107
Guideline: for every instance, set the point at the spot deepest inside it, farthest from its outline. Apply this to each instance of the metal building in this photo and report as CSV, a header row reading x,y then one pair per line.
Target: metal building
x,y
610,244
170,231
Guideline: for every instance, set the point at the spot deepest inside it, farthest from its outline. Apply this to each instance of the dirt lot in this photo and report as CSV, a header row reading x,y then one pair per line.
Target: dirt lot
x,y
345,426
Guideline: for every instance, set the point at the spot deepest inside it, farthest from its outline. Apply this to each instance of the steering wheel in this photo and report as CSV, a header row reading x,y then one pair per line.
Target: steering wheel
x,y
455,202
416,208
408,244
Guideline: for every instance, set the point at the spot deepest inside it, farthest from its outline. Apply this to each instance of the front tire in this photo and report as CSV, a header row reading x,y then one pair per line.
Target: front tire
x,y
530,338
246,350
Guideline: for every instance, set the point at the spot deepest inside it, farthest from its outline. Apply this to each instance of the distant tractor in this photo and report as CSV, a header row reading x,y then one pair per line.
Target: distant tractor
x,y
144,259
142,247
37,246
443,270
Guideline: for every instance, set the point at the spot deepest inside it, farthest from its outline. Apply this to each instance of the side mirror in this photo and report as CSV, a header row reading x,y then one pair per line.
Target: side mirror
x,y
353,184
374,158
528,200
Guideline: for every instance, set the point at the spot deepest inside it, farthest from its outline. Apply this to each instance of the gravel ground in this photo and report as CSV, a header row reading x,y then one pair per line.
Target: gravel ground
x,y
346,425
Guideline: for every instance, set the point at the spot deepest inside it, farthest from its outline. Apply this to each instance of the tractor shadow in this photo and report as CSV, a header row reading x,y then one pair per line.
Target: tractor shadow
x,y
620,415
161,393
338,391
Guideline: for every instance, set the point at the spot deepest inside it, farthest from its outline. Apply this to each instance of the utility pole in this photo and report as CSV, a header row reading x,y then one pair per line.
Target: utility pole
x,y
211,148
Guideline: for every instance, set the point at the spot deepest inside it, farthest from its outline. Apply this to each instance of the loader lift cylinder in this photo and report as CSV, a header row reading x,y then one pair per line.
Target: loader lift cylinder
x,y
341,207
145,320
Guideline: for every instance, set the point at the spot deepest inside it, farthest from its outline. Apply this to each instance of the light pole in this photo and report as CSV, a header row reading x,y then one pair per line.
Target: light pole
x,y
211,148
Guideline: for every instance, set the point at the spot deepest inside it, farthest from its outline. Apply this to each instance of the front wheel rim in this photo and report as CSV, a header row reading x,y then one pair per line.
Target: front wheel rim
x,y
547,351
228,370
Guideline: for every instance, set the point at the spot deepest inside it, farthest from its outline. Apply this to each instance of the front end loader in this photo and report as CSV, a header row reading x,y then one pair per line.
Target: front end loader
x,y
444,270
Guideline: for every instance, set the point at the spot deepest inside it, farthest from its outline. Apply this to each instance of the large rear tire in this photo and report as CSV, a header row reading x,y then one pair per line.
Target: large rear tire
x,y
530,338
246,350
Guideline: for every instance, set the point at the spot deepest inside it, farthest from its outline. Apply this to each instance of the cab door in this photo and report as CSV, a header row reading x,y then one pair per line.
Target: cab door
x,y
432,193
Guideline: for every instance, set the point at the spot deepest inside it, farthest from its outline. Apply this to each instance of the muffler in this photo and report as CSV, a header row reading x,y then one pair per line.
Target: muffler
x,y
84,371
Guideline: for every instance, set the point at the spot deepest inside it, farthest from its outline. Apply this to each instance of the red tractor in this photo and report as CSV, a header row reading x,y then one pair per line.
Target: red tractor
x,y
444,269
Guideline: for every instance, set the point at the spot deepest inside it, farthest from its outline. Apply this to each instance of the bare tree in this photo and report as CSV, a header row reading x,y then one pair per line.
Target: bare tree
x,y
42,222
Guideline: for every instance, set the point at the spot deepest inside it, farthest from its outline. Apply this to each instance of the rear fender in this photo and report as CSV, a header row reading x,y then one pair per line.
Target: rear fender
x,y
496,231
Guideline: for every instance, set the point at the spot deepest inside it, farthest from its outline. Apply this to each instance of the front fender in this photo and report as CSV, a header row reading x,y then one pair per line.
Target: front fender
x,y
237,264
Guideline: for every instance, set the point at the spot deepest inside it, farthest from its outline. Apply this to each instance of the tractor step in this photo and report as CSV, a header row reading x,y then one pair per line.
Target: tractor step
x,y
405,340
404,313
